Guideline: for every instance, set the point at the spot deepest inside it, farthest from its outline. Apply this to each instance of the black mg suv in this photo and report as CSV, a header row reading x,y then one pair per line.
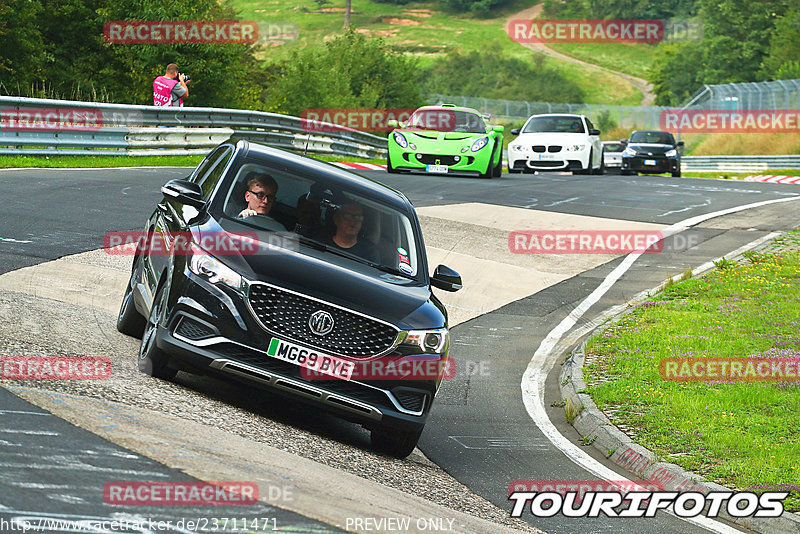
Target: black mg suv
x,y
275,298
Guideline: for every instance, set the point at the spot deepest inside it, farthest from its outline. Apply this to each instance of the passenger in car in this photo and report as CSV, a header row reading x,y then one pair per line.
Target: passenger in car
x,y
348,220
260,195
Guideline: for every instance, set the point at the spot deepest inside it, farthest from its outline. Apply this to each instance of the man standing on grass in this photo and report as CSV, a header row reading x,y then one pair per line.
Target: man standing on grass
x,y
169,89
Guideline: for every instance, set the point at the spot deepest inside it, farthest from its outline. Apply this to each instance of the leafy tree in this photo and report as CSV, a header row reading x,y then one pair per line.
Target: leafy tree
x,y
350,71
489,74
21,47
478,7
619,9
784,48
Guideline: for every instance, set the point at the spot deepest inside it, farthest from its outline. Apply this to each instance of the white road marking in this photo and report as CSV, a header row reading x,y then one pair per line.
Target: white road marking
x,y
545,357
23,412
10,240
556,203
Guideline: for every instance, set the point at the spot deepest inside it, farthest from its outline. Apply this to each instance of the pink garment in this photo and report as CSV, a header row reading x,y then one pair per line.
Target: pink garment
x,y
162,91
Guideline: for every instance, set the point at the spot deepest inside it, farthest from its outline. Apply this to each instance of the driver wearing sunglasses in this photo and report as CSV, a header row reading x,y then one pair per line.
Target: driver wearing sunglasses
x,y
260,195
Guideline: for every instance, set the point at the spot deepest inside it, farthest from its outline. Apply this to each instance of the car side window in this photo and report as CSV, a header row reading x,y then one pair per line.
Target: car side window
x,y
589,124
209,180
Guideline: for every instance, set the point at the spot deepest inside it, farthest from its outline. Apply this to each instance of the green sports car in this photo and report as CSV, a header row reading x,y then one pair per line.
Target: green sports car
x,y
446,139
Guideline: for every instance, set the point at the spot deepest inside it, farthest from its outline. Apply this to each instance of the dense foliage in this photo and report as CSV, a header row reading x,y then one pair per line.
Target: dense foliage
x,y
350,71
56,48
491,75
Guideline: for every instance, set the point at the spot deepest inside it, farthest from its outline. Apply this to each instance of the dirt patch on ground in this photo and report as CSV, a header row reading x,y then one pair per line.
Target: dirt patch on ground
x,y
422,13
400,22
378,33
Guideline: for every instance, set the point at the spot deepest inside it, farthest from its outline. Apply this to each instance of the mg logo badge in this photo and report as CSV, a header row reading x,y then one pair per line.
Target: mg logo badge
x,y
320,322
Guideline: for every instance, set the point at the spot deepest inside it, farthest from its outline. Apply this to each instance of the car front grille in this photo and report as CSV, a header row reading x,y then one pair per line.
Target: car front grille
x,y
554,148
545,163
287,314
436,159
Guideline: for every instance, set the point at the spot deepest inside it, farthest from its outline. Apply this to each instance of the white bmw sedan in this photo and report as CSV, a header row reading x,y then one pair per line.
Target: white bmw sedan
x,y
556,142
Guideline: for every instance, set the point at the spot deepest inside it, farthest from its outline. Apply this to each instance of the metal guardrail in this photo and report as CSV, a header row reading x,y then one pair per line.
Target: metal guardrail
x,y
90,128
739,163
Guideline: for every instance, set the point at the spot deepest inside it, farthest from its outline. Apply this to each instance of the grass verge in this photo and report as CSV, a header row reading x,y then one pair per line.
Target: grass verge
x,y
9,162
739,434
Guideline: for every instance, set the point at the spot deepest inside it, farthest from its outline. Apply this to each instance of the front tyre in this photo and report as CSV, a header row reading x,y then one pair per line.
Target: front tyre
x,y
396,443
152,360
497,171
389,168
129,320
489,167
676,174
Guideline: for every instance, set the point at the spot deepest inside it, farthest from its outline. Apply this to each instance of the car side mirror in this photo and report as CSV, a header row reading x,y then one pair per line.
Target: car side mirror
x,y
515,131
446,278
680,143
623,141
594,131
499,129
391,123
184,192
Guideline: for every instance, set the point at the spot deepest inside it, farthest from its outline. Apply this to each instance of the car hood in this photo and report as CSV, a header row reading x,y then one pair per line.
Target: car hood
x,y
550,138
401,301
650,149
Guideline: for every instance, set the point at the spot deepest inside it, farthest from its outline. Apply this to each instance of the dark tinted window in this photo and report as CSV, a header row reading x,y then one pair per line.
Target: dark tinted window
x,y
555,123
213,171
613,147
660,138
446,120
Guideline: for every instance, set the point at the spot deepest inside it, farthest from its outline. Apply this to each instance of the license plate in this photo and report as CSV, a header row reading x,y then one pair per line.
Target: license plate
x,y
310,359
436,168
546,156
651,162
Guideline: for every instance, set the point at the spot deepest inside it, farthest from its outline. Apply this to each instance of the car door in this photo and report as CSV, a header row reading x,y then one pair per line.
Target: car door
x,y
597,145
169,220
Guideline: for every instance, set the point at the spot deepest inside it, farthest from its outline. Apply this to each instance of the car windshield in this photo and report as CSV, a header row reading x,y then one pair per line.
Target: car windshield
x,y
613,147
446,120
324,216
555,123
657,138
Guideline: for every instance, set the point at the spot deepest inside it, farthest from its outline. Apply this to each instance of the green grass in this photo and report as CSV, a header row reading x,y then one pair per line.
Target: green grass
x,y
428,37
631,58
739,434
98,161
8,162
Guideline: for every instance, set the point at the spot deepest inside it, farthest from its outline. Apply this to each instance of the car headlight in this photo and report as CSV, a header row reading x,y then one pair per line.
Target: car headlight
x,y
479,144
518,148
206,266
671,153
576,148
400,139
628,152
429,341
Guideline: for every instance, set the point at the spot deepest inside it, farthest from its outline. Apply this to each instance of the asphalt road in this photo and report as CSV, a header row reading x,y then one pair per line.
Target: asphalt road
x,y
53,474
479,430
